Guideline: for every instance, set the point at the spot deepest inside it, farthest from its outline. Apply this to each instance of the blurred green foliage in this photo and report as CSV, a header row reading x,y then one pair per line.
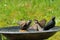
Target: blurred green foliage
x,y
11,11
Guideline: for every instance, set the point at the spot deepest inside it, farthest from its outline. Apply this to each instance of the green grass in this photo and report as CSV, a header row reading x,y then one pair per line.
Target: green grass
x,y
11,11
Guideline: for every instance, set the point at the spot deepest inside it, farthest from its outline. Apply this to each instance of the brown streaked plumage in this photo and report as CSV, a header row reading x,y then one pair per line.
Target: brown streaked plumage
x,y
21,23
35,26
42,22
24,25
38,25
27,25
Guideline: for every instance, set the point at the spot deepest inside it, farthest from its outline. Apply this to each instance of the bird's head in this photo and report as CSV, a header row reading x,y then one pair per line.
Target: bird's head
x,y
53,18
36,21
29,21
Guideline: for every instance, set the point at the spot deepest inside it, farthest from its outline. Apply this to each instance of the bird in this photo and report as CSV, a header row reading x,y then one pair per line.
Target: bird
x,y
32,28
27,25
50,24
38,25
35,26
42,22
21,23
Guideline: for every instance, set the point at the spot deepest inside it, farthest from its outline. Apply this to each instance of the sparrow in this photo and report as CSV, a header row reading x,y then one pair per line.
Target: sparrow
x,y
21,23
42,23
38,25
27,25
35,26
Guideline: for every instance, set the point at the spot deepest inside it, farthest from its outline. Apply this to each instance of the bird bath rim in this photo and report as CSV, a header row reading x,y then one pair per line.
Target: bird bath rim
x,y
28,32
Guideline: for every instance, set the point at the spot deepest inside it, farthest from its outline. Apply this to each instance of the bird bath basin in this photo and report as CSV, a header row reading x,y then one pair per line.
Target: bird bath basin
x,y
13,33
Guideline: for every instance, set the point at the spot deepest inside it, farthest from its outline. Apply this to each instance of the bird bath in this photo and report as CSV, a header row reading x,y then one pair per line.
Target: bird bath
x,y
13,33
